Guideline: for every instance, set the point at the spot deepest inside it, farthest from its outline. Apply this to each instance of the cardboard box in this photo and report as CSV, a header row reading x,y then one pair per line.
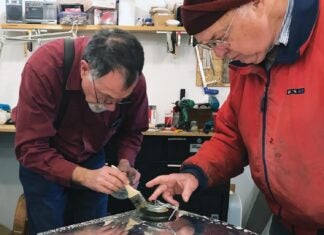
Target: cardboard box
x,y
159,19
105,4
103,17
201,116
69,2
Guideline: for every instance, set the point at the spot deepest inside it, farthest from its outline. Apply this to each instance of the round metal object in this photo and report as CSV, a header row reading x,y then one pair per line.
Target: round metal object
x,y
156,213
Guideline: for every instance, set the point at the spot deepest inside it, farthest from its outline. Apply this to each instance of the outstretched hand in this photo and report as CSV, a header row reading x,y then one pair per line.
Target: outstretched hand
x,y
174,184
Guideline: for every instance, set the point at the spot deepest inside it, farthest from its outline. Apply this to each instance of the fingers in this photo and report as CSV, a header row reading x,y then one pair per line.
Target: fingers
x,y
106,180
121,176
190,185
124,165
168,196
186,194
169,185
134,176
157,192
158,180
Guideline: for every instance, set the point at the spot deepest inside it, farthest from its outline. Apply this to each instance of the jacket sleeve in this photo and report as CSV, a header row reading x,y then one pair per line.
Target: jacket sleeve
x,y
34,117
224,155
129,136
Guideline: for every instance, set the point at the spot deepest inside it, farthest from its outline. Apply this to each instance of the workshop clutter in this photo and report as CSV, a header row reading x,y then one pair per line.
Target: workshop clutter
x,y
5,113
161,16
152,116
94,12
186,115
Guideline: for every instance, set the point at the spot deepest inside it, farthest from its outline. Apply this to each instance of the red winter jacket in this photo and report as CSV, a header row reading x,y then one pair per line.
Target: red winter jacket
x,y
275,123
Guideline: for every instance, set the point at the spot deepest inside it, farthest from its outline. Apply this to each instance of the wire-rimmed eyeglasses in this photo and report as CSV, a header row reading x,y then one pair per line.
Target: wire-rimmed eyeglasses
x,y
108,100
218,42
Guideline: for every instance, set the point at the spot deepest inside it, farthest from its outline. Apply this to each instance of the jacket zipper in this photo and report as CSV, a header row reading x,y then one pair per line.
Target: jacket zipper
x,y
264,107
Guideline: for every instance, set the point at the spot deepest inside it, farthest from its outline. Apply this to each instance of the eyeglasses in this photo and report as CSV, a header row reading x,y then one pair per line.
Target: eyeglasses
x,y
218,42
107,100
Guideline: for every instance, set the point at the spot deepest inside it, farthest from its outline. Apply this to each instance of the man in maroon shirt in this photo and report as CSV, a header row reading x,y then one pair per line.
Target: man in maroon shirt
x,y
62,168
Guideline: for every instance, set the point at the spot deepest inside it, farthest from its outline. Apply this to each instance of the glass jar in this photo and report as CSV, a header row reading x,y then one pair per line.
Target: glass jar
x,y
193,126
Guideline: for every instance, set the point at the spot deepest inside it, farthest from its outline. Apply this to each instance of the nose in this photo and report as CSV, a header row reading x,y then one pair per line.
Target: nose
x,y
110,107
220,51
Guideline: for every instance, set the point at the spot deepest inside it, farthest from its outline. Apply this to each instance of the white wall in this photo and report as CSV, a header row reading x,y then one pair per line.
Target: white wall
x,y
166,74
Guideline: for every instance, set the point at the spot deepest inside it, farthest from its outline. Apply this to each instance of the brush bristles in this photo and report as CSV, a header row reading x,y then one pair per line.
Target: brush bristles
x,y
131,191
136,197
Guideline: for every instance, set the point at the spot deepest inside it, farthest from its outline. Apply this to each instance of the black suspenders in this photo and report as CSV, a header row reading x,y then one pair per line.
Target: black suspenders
x,y
68,61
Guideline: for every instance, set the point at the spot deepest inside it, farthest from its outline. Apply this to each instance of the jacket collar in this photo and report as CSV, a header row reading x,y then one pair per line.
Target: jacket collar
x,y
304,16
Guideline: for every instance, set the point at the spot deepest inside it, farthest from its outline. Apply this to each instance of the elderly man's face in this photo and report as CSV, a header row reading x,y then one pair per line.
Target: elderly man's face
x,y
246,33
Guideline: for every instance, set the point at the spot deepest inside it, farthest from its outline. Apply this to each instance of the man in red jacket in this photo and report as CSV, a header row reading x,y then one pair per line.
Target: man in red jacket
x,y
273,117
62,163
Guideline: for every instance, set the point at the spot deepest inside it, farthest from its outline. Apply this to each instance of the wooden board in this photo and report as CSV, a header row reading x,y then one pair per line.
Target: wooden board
x,y
220,77
7,128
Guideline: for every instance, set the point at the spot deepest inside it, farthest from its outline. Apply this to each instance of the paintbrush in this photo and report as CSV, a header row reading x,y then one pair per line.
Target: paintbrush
x,y
134,195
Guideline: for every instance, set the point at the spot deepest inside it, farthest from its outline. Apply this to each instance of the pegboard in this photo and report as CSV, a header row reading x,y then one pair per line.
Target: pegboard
x,y
220,68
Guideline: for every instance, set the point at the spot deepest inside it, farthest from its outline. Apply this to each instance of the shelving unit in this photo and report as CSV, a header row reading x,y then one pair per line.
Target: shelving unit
x,y
12,128
7,128
57,27
179,134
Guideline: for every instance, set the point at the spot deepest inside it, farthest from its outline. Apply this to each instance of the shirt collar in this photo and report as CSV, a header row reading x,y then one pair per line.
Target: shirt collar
x,y
284,33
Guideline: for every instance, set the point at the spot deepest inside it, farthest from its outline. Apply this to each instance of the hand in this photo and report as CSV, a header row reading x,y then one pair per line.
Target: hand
x,y
170,185
105,230
132,174
105,180
118,229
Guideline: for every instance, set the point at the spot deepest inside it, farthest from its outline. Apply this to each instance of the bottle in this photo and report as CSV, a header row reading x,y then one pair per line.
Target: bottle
x,y
168,120
193,126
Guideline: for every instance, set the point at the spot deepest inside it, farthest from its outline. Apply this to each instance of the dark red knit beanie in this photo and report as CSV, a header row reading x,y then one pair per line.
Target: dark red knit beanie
x,y
198,15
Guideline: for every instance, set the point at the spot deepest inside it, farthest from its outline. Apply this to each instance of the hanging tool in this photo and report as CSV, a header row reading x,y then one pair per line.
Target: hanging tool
x,y
171,42
207,90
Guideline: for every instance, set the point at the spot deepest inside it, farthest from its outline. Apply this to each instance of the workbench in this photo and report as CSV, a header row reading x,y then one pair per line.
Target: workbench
x,y
7,128
12,128
162,153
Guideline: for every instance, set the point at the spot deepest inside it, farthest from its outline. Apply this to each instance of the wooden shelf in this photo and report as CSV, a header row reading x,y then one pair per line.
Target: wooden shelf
x,y
7,128
12,128
174,133
57,27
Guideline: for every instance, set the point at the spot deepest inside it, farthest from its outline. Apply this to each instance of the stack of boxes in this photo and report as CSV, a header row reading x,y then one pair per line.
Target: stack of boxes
x,y
161,15
95,12
101,12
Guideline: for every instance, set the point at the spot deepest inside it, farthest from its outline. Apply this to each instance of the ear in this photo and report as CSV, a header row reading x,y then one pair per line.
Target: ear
x,y
84,68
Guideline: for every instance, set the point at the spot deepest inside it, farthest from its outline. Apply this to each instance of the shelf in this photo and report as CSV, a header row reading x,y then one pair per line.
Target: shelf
x,y
12,128
7,128
57,27
174,133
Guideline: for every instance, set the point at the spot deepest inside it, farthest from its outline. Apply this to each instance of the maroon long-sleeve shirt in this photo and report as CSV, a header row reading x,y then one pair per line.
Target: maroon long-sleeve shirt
x,y
55,153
